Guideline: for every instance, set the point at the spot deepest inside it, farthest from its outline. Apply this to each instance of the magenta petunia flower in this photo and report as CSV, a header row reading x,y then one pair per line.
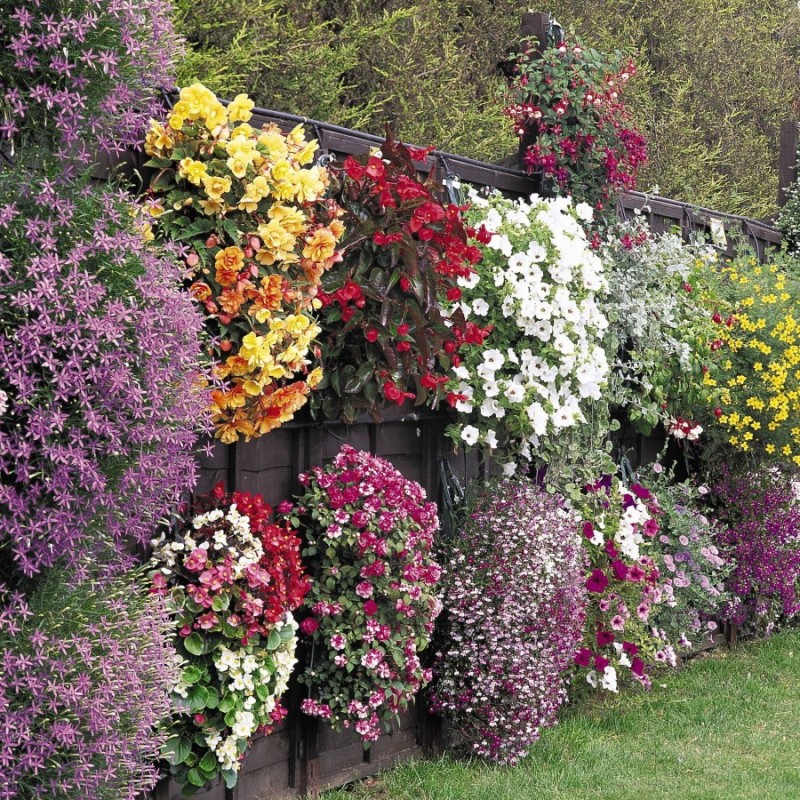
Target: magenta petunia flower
x,y
597,581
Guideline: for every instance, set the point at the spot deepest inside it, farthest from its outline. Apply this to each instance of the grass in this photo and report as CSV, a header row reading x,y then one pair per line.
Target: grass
x,y
727,727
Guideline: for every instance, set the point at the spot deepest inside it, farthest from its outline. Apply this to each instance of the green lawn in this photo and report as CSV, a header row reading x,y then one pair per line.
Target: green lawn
x,y
727,727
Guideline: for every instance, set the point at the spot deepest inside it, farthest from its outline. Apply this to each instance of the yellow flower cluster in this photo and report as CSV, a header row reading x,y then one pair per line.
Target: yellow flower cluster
x,y
265,234
760,379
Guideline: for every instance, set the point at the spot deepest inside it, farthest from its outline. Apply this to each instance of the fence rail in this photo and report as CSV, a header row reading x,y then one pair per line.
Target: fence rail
x,y
304,755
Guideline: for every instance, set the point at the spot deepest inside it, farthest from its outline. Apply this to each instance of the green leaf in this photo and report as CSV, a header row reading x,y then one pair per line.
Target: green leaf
x,y
176,749
194,644
274,641
198,695
221,602
208,763
359,380
230,777
192,674
195,778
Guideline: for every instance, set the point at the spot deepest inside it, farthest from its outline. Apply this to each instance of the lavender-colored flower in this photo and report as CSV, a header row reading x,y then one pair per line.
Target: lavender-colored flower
x,y
99,351
83,77
87,669
514,595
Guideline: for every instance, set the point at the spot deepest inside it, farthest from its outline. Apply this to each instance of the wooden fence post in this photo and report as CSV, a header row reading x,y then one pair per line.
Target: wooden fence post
x,y
787,166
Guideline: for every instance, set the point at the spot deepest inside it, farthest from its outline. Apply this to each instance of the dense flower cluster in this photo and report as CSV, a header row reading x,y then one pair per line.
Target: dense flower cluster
x,y
369,534
544,359
250,207
691,566
385,338
663,323
761,519
231,578
758,376
513,593
86,674
99,354
623,585
83,76
565,104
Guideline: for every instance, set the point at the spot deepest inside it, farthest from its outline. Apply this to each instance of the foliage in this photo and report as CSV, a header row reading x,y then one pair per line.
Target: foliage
x,y
761,517
514,597
385,337
758,376
664,326
565,105
99,357
231,579
623,585
544,362
710,99
250,209
87,670
692,570
369,534
788,220
360,63
81,77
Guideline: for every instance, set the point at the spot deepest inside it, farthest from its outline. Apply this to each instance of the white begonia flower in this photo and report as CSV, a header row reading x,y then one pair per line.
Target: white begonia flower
x,y
585,212
480,307
538,417
469,434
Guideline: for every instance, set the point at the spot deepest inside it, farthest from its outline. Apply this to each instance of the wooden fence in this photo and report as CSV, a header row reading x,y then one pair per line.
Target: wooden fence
x,y
305,756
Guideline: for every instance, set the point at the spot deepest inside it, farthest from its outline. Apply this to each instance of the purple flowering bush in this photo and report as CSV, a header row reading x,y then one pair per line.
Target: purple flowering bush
x,y
81,76
87,668
99,351
760,516
691,567
514,598
372,605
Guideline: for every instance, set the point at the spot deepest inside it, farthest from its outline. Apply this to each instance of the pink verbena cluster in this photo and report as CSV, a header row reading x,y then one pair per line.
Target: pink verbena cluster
x,y
373,603
87,670
514,603
99,352
81,76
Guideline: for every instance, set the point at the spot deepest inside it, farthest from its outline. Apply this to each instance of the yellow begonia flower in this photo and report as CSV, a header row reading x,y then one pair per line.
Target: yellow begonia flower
x,y
193,171
240,108
216,186
297,135
291,219
306,154
308,184
253,388
212,207
238,166
281,171
175,122
314,377
274,143
320,246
